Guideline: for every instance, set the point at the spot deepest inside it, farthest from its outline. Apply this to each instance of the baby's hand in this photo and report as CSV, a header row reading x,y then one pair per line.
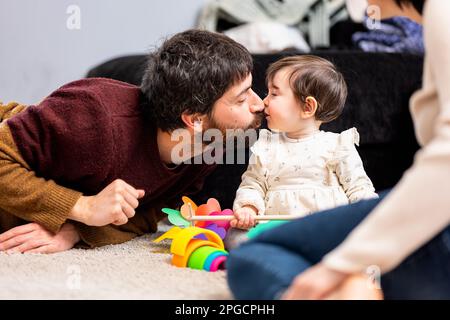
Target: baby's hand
x,y
244,217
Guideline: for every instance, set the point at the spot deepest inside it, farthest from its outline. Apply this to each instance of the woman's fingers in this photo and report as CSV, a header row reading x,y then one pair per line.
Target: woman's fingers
x,y
298,290
315,283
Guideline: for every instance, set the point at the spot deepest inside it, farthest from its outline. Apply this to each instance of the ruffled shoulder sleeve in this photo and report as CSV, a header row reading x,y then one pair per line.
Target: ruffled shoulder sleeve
x,y
348,138
349,168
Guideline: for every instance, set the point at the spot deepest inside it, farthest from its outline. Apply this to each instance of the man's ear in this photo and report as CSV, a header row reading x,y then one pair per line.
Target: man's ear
x,y
310,107
192,121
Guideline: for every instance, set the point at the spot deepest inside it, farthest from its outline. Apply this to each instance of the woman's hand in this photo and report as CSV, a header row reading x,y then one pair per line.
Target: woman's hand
x,y
33,238
318,282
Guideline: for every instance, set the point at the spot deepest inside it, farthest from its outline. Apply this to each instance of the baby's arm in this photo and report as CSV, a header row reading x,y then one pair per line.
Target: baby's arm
x,y
350,169
250,196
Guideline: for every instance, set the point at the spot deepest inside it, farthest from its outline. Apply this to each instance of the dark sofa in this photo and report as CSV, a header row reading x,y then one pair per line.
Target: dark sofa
x,y
380,86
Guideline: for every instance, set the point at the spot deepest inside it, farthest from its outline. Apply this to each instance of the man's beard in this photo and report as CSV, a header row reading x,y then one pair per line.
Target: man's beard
x,y
255,124
230,133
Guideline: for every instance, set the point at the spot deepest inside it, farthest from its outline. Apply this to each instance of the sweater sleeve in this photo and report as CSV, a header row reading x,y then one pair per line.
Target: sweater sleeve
x,y
23,194
9,110
350,170
418,208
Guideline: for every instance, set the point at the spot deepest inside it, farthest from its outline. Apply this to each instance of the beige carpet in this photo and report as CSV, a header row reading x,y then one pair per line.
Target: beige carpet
x,y
138,269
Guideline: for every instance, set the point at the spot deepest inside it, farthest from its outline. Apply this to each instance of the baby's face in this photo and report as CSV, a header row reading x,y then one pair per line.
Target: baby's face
x,y
282,109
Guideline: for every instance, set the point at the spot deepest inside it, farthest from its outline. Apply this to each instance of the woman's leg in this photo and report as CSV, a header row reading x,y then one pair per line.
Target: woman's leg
x,y
265,266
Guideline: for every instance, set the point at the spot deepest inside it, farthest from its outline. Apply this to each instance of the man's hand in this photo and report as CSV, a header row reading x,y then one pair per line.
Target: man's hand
x,y
115,204
244,217
316,283
33,238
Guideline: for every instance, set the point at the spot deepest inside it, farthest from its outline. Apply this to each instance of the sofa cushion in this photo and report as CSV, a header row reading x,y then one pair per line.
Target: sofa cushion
x,y
379,88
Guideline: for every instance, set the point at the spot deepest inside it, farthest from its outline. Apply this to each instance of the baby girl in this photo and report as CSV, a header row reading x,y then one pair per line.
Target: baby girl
x,y
296,168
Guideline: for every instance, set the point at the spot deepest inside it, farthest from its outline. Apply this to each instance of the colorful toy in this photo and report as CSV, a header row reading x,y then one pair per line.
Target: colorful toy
x,y
197,237
199,244
189,251
189,211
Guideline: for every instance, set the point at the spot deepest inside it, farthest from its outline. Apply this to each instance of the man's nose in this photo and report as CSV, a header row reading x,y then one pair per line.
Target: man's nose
x,y
266,101
257,105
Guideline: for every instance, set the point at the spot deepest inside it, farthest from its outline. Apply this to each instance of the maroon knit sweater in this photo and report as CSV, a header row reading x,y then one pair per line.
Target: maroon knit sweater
x,y
90,132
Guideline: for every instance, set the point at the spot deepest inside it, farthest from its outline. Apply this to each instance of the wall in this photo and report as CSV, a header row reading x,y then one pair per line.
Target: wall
x,y
41,47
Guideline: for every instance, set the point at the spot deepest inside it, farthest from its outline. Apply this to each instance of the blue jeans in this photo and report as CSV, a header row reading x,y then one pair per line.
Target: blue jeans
x,y
265,266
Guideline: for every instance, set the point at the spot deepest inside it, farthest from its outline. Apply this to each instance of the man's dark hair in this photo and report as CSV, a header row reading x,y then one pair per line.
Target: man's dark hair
x,y
189,73
417,4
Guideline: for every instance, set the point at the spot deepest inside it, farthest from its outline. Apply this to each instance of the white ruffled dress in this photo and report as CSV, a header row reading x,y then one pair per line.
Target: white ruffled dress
x,y
302,176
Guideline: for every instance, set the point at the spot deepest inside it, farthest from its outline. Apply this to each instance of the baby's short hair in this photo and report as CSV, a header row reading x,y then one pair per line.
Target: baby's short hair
x,y
316,77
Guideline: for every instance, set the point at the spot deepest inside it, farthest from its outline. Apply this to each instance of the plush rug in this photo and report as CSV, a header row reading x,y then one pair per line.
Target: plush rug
x,y
138,269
